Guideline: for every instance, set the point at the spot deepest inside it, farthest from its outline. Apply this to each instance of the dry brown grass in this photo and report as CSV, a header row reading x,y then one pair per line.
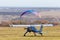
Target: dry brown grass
x,y
10,33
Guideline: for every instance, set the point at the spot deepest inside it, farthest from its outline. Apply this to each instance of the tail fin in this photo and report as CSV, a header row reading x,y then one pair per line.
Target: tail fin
x,y
41,28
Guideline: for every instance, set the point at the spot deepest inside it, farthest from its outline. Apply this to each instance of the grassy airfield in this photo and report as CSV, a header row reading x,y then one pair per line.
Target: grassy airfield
x,y
16,33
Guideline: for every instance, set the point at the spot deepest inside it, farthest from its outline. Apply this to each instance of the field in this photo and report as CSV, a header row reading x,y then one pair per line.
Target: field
x,y
16,33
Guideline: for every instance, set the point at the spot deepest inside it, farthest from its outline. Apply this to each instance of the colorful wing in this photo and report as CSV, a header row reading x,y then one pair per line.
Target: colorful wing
x,y
28,11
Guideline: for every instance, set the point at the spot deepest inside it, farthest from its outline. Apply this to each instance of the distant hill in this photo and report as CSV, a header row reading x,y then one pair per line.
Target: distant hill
x,y
9,13
19,10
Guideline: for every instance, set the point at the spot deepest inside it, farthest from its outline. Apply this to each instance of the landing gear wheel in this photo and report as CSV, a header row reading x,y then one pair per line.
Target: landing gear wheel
x,y
41,34
24,35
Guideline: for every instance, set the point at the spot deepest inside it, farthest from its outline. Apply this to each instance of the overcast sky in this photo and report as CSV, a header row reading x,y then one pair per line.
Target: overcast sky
x,y
29,3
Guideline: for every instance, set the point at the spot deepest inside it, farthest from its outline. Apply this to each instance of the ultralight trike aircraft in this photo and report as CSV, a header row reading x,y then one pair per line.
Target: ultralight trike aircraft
x,y
32,28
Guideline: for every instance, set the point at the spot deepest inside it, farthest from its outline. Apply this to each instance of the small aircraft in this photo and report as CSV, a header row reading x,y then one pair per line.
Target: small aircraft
x,y
34,30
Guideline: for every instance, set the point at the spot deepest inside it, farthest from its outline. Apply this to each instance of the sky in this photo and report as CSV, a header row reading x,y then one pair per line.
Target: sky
x,y
29,3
